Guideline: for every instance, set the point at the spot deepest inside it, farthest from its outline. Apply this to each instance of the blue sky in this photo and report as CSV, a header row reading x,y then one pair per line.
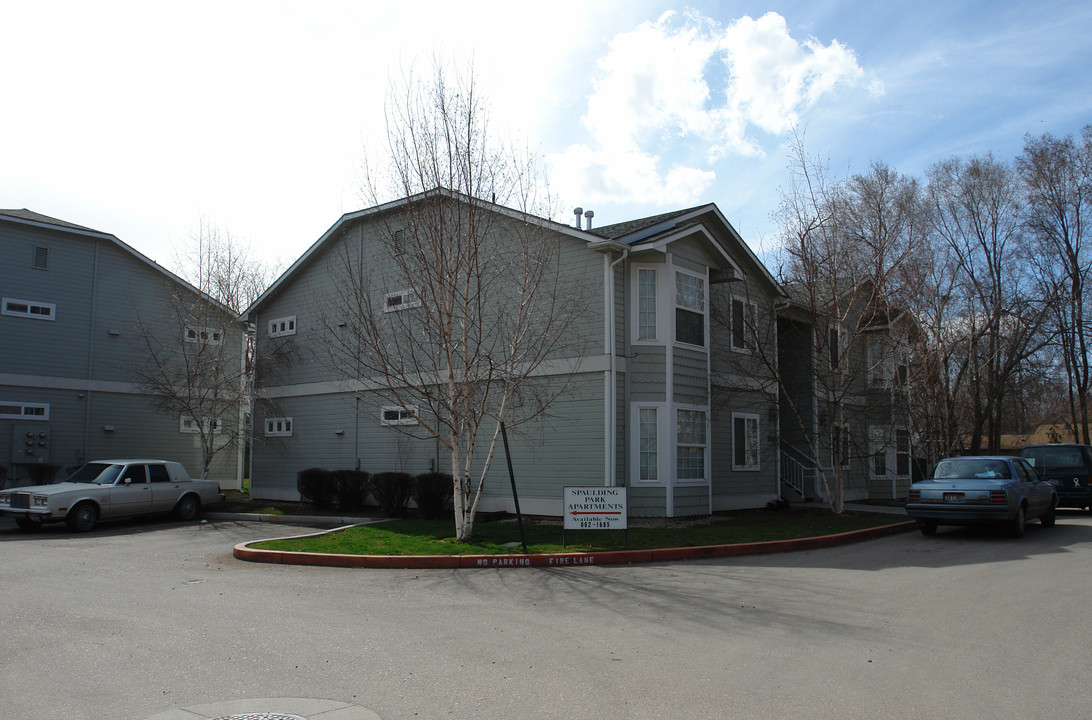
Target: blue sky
x,y
140,119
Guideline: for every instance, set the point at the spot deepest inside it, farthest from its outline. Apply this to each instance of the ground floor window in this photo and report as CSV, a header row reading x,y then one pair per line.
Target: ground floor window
x,y
745,442
690,444
648,439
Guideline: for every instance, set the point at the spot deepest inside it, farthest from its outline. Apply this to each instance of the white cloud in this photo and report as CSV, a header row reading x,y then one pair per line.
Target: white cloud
x,y
688,87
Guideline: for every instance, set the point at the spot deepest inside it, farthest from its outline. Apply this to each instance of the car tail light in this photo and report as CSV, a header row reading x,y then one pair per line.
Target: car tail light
x,y
998,497
915,496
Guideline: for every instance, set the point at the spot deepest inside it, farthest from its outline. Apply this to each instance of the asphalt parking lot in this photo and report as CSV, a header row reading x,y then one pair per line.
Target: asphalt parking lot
x,y
140,618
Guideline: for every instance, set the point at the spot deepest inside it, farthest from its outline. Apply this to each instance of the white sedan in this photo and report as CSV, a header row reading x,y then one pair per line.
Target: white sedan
x,y
108,490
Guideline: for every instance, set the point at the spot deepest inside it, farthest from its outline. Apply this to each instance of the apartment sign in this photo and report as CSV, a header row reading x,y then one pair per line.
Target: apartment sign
x,y
595,508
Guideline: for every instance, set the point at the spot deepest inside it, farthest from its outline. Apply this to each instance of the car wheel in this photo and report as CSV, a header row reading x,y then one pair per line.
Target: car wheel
x,y
927,527
1016,525
83,517
1049,517
187,508
29,524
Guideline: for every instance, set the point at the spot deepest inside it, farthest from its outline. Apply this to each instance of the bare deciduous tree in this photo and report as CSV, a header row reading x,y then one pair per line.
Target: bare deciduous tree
x,y
196,363
1057,175
844,245
461,302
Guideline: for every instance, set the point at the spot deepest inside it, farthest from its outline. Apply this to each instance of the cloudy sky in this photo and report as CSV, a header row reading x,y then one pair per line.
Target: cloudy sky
x,y
141,119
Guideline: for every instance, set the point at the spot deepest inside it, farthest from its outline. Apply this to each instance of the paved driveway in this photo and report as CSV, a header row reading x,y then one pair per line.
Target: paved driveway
x,y
138,618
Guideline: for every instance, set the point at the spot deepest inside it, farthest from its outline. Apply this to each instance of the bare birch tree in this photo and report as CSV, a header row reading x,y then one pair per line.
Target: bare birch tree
x,y
461,302
844,244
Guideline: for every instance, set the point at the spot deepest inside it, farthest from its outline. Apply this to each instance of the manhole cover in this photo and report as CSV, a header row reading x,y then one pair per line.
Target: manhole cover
x,y
261,716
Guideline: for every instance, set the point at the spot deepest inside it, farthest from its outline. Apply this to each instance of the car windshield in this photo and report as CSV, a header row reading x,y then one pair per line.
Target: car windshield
x,y
971,468
99,473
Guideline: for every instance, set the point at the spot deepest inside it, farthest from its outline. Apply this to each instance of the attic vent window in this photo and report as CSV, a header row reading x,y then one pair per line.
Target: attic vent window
x,y
28,309
41,258
401,300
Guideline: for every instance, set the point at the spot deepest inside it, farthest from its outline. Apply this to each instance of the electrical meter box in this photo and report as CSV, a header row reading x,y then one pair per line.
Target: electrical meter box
x,y
30,444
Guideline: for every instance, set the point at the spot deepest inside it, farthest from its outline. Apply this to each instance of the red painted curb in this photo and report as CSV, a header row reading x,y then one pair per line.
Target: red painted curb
x,y
613,557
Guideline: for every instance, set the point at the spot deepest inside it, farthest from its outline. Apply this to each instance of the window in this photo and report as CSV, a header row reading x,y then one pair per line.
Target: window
x,y
902,452
648,439
690,444
135,475
646,304
880,363
835,347
29,309
745,442
282,326
744,316
396,415
24,411
689,309
278,426
401,300
158,473
186,424
208,336
41,258
839,450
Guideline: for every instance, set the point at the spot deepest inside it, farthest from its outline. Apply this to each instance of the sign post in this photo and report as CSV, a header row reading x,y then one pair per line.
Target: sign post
x,y
595,508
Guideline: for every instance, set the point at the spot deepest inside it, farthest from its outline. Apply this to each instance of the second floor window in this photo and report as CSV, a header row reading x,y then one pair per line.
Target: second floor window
x,y
689,309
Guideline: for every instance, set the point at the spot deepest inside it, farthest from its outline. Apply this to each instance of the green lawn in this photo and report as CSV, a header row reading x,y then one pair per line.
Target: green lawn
x,y
422,537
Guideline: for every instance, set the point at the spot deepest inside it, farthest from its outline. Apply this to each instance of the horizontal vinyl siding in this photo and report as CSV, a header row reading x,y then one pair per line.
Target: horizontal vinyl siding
x,y
56,347
647,370
314,442
690,501
726,481
647,501
691,372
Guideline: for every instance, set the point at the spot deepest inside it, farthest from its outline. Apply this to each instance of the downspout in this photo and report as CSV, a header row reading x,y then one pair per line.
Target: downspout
x,y
612,392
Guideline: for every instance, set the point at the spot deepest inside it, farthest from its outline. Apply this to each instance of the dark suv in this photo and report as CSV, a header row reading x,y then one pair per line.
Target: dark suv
x,y
1068,468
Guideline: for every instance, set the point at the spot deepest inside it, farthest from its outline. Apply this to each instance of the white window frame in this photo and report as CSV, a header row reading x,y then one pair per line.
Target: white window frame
x,y
279,327
187,425
748,309
703,311
655,303
881,370
208,336
881,441
29,313
406,299
40,411
664,452
279,426
703,445
746,418
640,424
406,415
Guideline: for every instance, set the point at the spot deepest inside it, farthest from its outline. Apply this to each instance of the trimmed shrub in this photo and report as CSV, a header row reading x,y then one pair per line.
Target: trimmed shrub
x,y
351,489
316,486
392,490
434,494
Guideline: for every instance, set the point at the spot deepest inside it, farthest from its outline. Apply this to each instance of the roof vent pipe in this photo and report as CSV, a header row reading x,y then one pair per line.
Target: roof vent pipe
x,y
589,215
578,212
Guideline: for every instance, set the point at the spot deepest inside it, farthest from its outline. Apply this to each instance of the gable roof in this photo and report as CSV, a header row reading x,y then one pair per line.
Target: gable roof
x,y
393,205
34,219
663,228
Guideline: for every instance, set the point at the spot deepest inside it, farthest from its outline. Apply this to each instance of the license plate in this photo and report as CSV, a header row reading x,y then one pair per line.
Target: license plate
x,y
953,497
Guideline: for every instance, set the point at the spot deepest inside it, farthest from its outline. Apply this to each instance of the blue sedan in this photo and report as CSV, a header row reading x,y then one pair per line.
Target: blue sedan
x,y
972,490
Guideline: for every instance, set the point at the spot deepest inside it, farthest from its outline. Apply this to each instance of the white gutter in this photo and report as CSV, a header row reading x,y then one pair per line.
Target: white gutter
x,y
612,374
